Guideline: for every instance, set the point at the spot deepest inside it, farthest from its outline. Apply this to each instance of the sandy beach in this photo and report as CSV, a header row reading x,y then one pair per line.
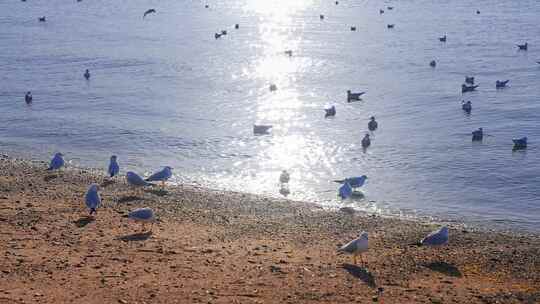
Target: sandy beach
x,y
221,247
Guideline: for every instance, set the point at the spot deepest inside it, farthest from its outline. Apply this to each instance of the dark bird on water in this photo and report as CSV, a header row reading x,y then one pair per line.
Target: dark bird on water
x,y
466,106
381,11
150,11
433,63
442,39
466,88
237,26
28,97
372,124
390,26
331,111
87,74
501,84
478,134
353,28
469,80
523,47
42,19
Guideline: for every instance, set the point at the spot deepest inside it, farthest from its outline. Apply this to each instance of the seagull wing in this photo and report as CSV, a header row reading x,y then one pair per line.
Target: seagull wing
x,y
435,238
158,176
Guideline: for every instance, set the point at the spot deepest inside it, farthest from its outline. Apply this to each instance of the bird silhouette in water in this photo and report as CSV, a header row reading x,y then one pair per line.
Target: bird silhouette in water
x,y
466,106
87,74
372,124
442,39
478,135
150,11
366,142
523,47
28,97
114,168
501,84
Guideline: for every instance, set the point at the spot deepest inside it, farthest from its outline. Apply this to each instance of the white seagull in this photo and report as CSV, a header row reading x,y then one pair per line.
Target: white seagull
x,y
143,215
57,162
161,176
92,198
114,168
436,238
356,247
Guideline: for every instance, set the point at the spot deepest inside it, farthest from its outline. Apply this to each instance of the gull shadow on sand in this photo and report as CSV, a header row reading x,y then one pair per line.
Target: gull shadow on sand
x,y
142,236
444,268
361,273
158,192
129,198
83,221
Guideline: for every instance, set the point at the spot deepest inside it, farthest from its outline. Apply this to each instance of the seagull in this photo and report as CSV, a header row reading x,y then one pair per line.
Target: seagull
x,y
261,129
356,247
114,168
390,26
372,124
442,39
353,28
353,182
150,11
217,35
520,143
501,84
143,215
57,162
87,74
433,63
381,11
92,198
331,111
465,88
133,179
345,191
478,134
42,19
390,8
161,176
284,177
366,142
466,106
28,97
523,47
469,80
354,96
436,238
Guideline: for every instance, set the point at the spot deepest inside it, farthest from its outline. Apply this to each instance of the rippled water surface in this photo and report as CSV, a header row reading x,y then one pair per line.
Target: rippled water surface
x,y
165,92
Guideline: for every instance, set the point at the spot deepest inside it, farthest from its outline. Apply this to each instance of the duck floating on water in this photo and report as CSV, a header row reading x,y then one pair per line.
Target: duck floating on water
x,y
372,124
390,26
353,28
520,143
381,11
42,19
354,96
87,74
261,129
442,39
466,106
469,80
28,97
478,135
390,8
465,88
331,111
433,63
501,84
477,12
366,142
523,47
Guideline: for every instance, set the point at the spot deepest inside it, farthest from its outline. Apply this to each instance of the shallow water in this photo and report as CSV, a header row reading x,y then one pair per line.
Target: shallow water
x,y
163,91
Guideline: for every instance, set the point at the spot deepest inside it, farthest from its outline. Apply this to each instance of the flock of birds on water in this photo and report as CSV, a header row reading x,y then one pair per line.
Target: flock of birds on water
x,y
355,247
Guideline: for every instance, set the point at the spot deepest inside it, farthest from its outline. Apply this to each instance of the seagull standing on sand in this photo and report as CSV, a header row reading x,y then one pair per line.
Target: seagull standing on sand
x,y
436,238
356,247
133,179
114,168
57,162
161,176
150,11
92,198
143,215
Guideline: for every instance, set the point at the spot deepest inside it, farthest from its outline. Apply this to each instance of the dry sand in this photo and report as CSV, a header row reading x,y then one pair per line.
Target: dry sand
x,y
223,247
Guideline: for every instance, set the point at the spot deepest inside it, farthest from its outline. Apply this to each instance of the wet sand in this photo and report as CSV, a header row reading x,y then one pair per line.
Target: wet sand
x,y
222,247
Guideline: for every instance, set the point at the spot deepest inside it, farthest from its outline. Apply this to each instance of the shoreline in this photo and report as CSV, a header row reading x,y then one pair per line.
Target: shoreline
x,y
216,246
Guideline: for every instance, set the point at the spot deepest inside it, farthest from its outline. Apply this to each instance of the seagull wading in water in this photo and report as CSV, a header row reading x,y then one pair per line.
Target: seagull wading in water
x,y
356,247
92,199
161,176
